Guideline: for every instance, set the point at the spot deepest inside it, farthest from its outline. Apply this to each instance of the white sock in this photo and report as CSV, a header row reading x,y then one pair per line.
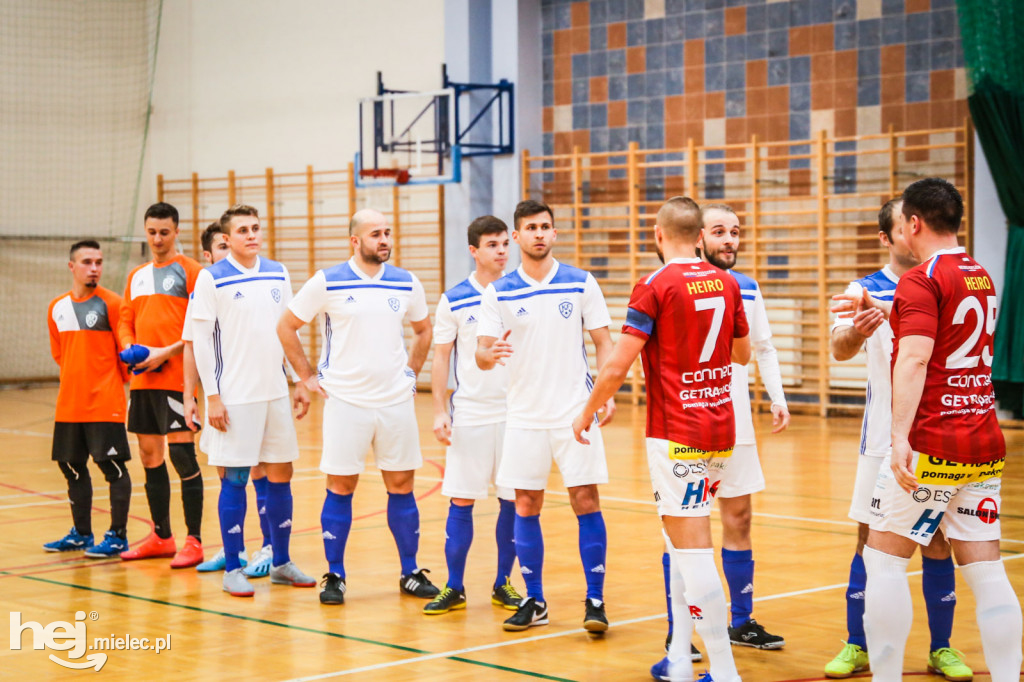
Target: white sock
x,y
706,598
680,665
888,613
999,618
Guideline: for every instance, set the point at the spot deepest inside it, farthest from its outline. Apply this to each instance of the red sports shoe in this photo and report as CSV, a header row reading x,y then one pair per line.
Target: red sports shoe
x,y
153,547
191,554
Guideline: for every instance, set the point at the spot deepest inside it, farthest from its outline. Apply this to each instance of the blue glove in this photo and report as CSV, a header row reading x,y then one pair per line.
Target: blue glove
x,y
134,354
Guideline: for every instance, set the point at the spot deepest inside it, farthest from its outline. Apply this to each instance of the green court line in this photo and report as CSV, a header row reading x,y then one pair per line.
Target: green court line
x,y
263,621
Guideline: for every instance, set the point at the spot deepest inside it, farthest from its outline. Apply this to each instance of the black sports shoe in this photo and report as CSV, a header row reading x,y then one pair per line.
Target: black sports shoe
x,y
448,600
418,585
753,634
595,620
695,655
530,613
334,589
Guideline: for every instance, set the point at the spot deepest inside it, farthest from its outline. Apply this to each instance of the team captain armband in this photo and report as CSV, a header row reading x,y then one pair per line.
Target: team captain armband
x,y
680,451
637,321
937,471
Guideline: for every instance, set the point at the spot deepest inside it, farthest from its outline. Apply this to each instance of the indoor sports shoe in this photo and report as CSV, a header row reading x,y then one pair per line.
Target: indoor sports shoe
x,y
190,554
594,620
949,663
418,585
334,589
153,547
111,547
448,600
236,585
217,563
753,634
289,574
70,542
659,671
695,655
530,613
852,659
506,596
259,564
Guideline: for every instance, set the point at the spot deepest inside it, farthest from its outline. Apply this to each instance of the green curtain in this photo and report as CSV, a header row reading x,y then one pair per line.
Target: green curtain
x,y
992,33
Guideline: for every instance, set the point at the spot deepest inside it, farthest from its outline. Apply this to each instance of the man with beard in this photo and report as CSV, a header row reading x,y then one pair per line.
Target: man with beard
x,y
541,310
369,381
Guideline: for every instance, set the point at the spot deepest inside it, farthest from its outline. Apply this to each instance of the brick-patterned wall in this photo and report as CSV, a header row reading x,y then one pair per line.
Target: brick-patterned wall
x,y
661,71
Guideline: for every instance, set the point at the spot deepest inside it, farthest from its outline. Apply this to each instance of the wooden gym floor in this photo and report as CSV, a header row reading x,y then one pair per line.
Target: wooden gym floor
x,y
802,544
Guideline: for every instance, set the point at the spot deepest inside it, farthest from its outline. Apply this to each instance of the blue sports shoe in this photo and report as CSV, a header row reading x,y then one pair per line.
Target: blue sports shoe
x,y
70,542
259,566
111,547
659,671
217,563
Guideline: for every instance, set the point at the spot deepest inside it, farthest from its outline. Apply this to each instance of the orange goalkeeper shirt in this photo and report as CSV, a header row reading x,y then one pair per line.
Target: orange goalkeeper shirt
x,y
83,342
153,313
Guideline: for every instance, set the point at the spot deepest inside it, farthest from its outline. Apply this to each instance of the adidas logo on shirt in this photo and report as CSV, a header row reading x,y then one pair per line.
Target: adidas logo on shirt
x,y
350,299
598,569
287,523
471,319
235,530
238,295
329,536
748,589
522,312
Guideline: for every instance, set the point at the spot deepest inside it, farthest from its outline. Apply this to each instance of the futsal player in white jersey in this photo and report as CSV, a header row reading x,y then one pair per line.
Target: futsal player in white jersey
x,y
540,310
369,381
472,422
241,364
870,330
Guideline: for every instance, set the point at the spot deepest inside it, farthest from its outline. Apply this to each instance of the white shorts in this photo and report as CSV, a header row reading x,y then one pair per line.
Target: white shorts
x,y
743,475
257,432
961,499
350,431
472,462
526,463
685,481
864,487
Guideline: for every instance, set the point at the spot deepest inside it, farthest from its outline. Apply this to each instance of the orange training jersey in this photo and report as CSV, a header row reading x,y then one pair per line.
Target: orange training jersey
x,y
83,342
153,313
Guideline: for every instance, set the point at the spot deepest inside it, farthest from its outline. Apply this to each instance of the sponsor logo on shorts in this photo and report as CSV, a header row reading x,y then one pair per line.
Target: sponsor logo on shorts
x,y
876,503
680,451
922,495
938,471
928,523
680,470
699,493
987,511
565,308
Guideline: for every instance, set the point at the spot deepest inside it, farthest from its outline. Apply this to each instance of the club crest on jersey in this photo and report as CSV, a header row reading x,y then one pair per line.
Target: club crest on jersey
x,y
565,307
393,302
91,318
168,283
275,294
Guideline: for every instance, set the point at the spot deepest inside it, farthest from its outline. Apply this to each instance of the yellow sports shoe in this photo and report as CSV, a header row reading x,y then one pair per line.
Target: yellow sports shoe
x,y
852,659
949,663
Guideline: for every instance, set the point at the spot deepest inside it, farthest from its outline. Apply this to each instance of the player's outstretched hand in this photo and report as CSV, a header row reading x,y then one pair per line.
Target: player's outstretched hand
x,y
443,428
216,413
502,348
780,418
191,413
312,385
608,410
300,400
868,320
902,456
579,425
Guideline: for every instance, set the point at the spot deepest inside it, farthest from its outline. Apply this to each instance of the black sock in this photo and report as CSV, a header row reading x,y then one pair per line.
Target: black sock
x,y
158,493
192,501
120,482
80,495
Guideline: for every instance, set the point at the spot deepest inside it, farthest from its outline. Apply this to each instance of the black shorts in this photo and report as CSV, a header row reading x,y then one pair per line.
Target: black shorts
x,y
73,442
156,412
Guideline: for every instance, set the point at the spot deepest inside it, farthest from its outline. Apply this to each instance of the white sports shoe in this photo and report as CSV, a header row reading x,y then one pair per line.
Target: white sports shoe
x,y
259,564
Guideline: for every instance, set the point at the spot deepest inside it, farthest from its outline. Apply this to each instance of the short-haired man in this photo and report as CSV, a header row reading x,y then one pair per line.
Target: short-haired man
x,y
869,329
369,381
215,248
241,364
945,468
541,310
90,403
472,422
152,316
687,321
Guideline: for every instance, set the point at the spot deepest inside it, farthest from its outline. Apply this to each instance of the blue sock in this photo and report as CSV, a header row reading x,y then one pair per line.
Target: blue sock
x,y
231,510
504,535
738,567
593,546
279,515
666,566
336,521
530,551
260,484
459,530
855,603
404,522
938,583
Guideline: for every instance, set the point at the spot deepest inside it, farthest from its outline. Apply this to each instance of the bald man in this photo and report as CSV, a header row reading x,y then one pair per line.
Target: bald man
x,y
369,380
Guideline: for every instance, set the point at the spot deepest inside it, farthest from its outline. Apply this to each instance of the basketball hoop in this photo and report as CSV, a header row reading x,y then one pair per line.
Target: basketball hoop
x,y
399,175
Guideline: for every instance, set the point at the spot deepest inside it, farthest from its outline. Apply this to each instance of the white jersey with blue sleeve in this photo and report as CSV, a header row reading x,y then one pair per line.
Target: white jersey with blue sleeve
x,y
875,432
479,396
548,372
244,304
364,361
